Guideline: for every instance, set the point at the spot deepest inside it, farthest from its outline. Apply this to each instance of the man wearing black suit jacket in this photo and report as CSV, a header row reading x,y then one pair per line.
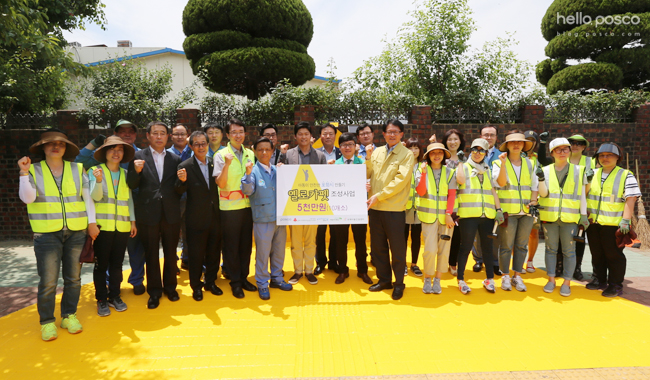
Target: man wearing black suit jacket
x,y
158,212
201,216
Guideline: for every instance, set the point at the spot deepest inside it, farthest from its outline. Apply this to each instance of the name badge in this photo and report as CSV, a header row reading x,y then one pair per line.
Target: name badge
x,y
261,182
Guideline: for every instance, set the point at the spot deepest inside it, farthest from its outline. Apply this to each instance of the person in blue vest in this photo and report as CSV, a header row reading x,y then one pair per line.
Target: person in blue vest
x,y
490,133
259,184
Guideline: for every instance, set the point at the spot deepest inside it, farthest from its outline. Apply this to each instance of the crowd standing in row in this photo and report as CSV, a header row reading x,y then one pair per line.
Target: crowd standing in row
x,y
218,197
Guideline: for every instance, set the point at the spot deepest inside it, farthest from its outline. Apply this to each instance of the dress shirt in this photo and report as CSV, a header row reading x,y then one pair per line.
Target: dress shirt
x,y
205,170
159,160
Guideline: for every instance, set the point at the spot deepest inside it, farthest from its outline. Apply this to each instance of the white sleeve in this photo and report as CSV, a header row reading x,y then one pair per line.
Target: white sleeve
x,y
631,187
90,205
27,189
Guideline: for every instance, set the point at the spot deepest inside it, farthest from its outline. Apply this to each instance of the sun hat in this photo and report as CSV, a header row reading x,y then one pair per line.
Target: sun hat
x,y
100,153
609,148
516,137
483,143
71,150
579,137
560,141
439,146
125,123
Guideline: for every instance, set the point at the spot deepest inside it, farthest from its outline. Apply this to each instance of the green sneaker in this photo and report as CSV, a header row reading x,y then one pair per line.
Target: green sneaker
x,y
72,324
48,331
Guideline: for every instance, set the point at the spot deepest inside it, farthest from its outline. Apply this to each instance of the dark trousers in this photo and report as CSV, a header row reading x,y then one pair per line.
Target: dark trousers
x,y
237,238
151,237
321,257
109,254
605,254
386,237
204,246
580,253
455,247
416,240
468,228
340,234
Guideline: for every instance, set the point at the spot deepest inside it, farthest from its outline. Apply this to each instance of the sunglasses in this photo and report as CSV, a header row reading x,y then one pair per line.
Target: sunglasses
x,y
478,150
579,143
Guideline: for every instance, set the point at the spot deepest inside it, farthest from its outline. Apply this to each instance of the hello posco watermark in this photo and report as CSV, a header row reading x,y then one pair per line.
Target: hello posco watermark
x,y
580,19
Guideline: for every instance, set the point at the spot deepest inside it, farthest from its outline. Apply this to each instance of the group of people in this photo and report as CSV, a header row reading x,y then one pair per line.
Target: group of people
x,y
216,198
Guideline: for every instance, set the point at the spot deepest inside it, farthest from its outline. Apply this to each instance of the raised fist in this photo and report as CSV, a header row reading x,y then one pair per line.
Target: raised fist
x,y
24,164
369,150
503,157
543,137
284,148
331,162
249,167
460,155
182,174
432,139
540,173
228,157
99,174
138,165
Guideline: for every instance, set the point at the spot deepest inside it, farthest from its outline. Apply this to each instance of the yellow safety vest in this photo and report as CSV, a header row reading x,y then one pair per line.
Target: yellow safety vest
x,y
232,198
113,210
586,162
414,200
533,160
474,199
515,195
606,203
56,208
433,205
562,203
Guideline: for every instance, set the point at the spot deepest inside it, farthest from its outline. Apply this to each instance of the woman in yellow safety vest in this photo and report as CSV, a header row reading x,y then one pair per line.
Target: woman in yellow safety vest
x,y
412,220
436,188
478,207
564,206
610,203
454,141
116,218
517,190
60,212
533,238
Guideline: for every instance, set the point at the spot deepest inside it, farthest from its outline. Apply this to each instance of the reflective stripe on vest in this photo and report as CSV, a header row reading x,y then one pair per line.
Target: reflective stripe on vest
x,y
606,203
232,198
515,195
433,204
586,162
562,203
413,198
475,199
53,209
113,210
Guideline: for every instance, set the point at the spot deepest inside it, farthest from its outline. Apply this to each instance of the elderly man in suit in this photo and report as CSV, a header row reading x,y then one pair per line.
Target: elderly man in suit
x,y
303,238
157,210
201,216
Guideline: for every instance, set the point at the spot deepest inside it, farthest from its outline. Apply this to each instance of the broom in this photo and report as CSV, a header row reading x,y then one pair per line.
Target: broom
x,y
642,226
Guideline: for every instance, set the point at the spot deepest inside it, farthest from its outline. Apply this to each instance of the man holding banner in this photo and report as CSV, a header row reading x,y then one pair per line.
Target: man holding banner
x,y
389,169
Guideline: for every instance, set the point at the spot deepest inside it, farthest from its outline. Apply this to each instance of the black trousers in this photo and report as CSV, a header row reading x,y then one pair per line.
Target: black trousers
x,y
605,254
109,254
340,234
237,238
204,246
151,236
416,240
455,247
386,237
321,257
468,228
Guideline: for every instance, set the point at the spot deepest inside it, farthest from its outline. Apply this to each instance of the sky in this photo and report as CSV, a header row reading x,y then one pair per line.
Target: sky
x,y
347,31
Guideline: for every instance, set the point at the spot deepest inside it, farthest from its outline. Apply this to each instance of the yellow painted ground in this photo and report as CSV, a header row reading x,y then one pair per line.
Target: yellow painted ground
x,y
333,330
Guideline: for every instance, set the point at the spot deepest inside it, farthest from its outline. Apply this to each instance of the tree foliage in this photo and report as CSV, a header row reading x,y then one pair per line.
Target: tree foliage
x,y
247,47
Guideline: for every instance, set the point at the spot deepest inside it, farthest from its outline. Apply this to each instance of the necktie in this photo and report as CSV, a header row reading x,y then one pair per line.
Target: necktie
x,y
348,162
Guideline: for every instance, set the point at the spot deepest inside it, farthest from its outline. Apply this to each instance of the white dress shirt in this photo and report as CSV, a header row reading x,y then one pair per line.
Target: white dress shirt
x,y
159,160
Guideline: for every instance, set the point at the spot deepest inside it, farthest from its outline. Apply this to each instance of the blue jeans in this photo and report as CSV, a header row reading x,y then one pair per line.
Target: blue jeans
x,y
515,235
136,260
554,234
270,243
52,250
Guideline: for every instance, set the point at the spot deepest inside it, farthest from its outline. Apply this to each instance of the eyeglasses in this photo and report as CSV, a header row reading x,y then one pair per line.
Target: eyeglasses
x,y
366,134
578,143
562,150
199,145
488,135
479,151
270,135
348,145
393,133
237,133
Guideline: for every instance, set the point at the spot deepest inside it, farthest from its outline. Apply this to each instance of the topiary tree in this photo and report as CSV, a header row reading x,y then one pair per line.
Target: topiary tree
x,y
608,39
245,47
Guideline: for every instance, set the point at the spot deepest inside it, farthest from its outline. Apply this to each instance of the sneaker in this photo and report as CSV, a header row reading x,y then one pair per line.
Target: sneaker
x,y
406,270
72,324
613,291
416,271
102,309
436,288
462,286
565,290
295,278
426,289
117,304
549,287
505,283
48,332
453,271
530,268
281,285
488,284
311,278
264,293
519,284
595,284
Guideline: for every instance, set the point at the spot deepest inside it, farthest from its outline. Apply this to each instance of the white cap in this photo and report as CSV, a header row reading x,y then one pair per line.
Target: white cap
x,y
560,141
483,143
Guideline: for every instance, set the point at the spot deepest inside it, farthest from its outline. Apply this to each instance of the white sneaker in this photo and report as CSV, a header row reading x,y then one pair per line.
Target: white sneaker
x,y
488,284
462,286
529,267
427,289
453,271
505,282
406,270
519,284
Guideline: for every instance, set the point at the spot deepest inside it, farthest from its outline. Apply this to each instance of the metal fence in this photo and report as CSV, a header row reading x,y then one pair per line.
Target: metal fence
x,y
582,115
28,120
141,119
475,116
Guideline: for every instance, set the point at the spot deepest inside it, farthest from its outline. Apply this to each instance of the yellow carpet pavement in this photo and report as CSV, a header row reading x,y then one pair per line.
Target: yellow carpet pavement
x,y
329,330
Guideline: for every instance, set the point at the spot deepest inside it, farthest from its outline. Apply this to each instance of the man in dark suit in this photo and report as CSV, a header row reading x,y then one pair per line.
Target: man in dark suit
x,y
157,210
270,131
201,216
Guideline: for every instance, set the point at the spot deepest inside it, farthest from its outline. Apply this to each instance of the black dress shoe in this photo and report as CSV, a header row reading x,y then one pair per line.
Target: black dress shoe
x,y
214,289
184,265
341,278
173,296
246,285
497,271
139,289
238,292
380,286
577,274
153,302
178,271
318,270
398,291
477,267
365,278
197,294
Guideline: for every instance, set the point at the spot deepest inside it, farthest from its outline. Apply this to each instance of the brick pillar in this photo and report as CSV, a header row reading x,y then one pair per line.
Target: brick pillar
x,y
533,118
642,120
420,124
189,117
304,113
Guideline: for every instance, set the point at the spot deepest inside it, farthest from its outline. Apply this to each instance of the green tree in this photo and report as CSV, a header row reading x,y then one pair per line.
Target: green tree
x,y
607,42
247,47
